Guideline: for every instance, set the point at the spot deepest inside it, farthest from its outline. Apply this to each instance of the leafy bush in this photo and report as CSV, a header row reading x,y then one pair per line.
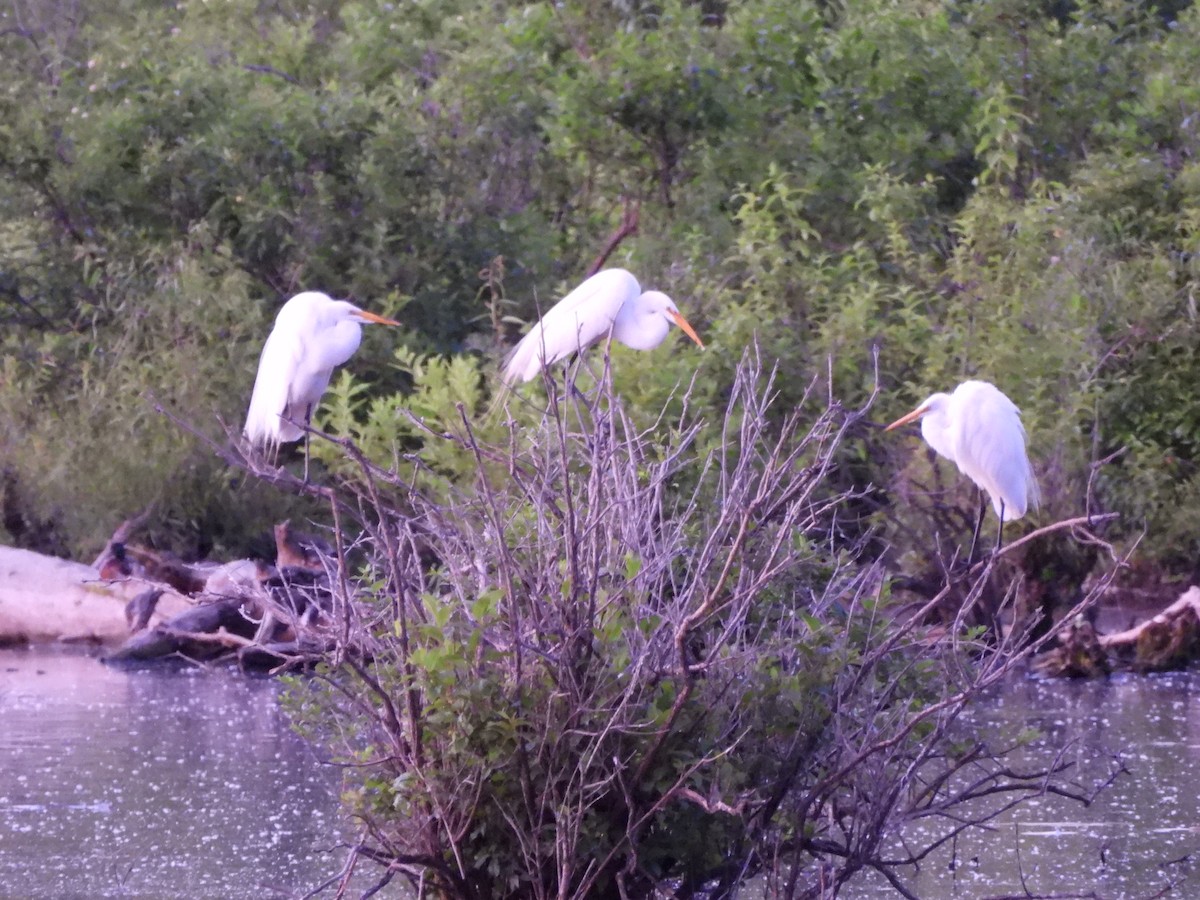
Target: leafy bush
x,y
611,662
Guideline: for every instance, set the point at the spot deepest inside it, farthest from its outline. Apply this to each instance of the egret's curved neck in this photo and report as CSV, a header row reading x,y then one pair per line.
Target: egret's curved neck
x,y
638,326
935,427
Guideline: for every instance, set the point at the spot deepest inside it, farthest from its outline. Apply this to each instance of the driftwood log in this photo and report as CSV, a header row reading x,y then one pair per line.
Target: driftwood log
x,y
279,620
1168,640
149,604
47,599
260,614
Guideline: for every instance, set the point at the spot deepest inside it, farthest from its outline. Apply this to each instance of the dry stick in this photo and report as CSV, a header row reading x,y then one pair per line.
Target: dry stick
x,y
390,719
681,636
676,790
506,566
342,878
394,860
917,617
278,477
827,784
225,638
628,227
991,785
683,631
689,622
596,487
710,603
1005,668
634,825
400,607
1047,529
220,636
343,585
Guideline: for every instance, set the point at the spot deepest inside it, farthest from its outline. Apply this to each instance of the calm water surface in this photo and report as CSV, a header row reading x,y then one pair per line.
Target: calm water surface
x,y
1139,837
155,783
176,783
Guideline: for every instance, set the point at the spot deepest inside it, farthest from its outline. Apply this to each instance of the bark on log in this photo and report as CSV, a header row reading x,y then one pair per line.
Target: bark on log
x,y
44,598
265,623
1168,640
183,633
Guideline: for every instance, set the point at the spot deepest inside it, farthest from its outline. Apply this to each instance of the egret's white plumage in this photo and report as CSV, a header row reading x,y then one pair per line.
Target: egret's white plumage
x,y
313,334
611,300
979,429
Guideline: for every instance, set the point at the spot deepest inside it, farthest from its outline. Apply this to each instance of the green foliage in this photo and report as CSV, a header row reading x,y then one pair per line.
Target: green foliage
x,y
611,674
1005,190
887,195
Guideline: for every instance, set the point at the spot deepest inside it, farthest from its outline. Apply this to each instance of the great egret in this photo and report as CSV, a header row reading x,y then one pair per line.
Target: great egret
x,y
313,333
979,429
610,301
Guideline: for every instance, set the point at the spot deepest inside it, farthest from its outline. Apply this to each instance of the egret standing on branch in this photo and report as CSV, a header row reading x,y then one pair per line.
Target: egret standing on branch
x,y
979,429
313,334
610,301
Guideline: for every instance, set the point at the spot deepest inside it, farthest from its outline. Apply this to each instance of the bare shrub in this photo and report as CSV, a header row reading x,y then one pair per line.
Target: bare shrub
x,y
631,661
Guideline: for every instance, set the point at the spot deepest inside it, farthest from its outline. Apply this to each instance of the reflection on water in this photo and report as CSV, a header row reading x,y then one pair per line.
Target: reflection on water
x,y
1138,837
158,783
155,783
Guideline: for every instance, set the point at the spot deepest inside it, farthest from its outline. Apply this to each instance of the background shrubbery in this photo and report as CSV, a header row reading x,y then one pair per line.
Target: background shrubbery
x,y
1008,189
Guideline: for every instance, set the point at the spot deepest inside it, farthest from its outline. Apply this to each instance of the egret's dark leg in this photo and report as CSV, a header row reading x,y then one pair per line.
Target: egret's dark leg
x,y
1000,528
307,423
573,390
978,526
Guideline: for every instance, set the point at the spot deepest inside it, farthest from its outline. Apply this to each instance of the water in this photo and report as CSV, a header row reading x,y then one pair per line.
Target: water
x,y
179,783
1138,837
156,783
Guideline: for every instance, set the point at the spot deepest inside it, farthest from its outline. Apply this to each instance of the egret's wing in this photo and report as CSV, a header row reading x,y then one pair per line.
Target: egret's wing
x,y
320,351
281,358
579,319
991,451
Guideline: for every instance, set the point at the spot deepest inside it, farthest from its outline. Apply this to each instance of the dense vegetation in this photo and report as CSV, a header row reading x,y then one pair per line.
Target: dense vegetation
x,y
1005,189
885,195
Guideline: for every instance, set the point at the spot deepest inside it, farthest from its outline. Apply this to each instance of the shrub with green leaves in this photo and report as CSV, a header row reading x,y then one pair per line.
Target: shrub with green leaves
x,y
614,662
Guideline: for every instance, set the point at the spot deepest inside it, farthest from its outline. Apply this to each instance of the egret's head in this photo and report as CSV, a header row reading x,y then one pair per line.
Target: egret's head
x,y
315,308
934,404
658,302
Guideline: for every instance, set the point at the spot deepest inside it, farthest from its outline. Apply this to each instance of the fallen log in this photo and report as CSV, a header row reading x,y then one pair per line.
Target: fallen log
x,y
263,619
1168,640
186,634
45,599
248,611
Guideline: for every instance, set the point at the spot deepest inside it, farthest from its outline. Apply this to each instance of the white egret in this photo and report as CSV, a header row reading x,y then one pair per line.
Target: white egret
x,y
610,301
313,334
979,429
